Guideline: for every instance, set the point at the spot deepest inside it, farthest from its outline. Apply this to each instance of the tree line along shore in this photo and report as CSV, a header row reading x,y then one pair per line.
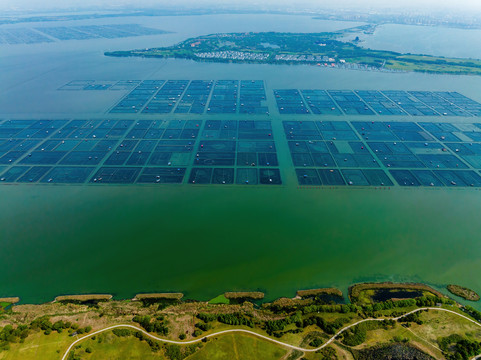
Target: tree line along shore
x,y
322,49
308,320
357,293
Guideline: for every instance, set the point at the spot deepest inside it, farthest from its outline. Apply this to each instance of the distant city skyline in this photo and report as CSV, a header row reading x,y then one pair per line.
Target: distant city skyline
x,y
406,5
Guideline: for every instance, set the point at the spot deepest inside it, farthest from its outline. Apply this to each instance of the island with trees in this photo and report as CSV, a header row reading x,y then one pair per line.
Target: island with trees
x,y
321,49
463,292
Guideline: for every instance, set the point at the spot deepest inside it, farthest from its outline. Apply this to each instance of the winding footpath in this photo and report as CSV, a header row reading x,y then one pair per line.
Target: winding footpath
x,y
258,335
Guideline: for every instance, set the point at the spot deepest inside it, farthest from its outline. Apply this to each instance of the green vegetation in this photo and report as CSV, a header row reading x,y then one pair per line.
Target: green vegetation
x,y
4,306
328,353
473,312
459,348
44,324
463,292
122,332
392,351
301,48
307,323
159,296
156,325
176,352
235,319
370,293
237,346
11,335
221,299
242,296
111,346
161,300
7,301
358,334
79,299
319,292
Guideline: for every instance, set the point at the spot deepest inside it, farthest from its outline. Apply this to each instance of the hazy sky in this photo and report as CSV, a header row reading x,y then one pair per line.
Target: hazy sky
x,y
434,5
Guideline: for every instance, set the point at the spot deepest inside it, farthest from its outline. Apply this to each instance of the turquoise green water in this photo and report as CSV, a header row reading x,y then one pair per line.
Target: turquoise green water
x,y
207,240
440,41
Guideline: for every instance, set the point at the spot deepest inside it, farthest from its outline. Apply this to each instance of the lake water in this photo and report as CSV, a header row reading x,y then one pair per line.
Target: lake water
x,y
205,240
430,40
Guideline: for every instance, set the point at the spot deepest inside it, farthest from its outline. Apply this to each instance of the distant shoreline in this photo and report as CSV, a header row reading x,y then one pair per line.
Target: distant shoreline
x,y
321,49
325,14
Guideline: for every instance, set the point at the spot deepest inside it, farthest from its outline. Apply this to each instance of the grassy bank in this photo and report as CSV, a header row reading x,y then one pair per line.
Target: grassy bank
x,y
46,331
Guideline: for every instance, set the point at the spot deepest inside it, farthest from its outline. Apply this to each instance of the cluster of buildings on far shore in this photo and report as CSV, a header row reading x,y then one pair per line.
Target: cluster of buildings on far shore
x,y
257,56
304,58
313,59
233,55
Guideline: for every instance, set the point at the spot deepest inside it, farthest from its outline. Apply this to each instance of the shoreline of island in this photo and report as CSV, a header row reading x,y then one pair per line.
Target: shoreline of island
x,y
317,49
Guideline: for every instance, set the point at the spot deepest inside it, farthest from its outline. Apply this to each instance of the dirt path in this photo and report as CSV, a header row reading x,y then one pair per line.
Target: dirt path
x,y
64,357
